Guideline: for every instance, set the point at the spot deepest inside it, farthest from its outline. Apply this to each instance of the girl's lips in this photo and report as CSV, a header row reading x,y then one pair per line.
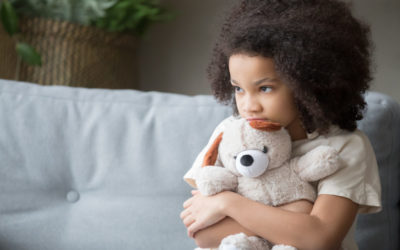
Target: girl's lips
x,y
256,119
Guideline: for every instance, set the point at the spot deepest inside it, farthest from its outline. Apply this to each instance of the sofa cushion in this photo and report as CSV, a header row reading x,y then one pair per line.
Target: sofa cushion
x,y
97,169
102,169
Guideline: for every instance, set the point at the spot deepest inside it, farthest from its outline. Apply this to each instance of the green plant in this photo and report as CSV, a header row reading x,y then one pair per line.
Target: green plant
x,y
9,20
131,16
75,11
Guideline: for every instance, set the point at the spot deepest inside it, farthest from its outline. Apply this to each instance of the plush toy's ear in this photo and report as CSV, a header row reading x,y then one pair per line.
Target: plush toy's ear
x,y
211,156
265,125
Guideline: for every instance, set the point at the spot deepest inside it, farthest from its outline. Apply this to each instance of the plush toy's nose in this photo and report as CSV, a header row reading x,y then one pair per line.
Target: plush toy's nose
x,y
246,160
252,163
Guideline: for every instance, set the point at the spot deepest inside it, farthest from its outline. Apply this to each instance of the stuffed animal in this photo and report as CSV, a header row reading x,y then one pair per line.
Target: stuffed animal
x,y
253,159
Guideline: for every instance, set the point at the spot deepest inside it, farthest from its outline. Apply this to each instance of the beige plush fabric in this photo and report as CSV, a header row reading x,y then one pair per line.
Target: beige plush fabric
x,y
358,179
281,181
256,164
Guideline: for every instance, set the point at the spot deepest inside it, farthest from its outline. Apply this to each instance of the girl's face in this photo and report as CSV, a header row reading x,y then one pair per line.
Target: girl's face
x,y
260,94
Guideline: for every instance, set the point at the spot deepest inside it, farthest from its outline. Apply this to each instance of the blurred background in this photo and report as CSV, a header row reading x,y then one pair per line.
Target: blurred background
x,y
175,55
171,55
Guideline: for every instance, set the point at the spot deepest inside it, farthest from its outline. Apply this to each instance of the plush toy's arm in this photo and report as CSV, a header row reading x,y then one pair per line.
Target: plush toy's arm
x,y
317,164
214,179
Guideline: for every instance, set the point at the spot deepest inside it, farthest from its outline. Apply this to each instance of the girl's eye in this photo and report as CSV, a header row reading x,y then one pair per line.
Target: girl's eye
x,y
266,89
238,89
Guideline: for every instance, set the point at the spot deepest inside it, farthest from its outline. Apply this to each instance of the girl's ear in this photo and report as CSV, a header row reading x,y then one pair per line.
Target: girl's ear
x,y
265,125
211,156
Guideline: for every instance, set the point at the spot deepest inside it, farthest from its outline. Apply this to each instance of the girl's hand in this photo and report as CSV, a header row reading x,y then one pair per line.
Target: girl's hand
x,y
202,211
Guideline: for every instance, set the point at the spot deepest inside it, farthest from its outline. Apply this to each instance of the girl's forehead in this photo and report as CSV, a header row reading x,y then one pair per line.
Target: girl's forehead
x,y
258,66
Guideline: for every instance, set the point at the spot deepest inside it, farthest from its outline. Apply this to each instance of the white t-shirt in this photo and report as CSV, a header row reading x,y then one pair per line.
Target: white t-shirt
x,y
358,180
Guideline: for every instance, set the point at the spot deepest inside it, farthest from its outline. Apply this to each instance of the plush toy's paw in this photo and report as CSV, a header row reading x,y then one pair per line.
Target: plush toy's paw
x,y
283,247
212,180
228,247
243,242
318,163
259,243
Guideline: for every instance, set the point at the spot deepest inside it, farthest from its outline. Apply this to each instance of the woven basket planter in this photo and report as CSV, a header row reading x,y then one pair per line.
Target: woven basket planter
x,y
72,55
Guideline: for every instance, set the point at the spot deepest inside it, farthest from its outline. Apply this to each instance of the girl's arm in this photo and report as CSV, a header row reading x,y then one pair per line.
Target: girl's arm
x,y
211,236
324,228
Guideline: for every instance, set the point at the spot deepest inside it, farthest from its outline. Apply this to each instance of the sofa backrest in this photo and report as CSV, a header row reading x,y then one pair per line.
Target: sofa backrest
x,y
381,124
102,169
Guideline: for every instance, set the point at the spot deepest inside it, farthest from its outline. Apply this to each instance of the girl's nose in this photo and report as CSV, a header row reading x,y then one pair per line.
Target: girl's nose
x,y
252,105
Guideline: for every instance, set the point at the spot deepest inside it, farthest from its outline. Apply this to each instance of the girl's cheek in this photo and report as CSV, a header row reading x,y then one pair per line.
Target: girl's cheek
x,y
240,109
238,103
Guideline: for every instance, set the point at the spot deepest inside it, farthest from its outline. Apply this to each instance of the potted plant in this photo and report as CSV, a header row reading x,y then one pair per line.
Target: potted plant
x,y
90,43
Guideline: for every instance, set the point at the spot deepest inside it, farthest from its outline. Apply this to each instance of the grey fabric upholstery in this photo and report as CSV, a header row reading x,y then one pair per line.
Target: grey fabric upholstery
x,y
102,169
382,126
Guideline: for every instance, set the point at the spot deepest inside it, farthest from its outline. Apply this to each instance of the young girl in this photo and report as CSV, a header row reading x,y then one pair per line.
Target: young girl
x,y
304,64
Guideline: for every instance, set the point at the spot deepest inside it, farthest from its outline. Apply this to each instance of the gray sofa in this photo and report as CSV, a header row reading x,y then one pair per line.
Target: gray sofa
x,y
102,169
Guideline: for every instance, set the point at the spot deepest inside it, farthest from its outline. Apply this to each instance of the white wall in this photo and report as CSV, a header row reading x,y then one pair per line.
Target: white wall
x,y
174,55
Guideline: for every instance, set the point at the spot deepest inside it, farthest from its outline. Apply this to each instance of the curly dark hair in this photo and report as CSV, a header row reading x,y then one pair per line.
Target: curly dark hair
x,y
319,48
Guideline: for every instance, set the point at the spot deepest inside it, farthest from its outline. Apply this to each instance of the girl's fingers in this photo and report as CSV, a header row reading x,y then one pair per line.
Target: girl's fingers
x,y
188,221
187,203
193,228
184,214
194,192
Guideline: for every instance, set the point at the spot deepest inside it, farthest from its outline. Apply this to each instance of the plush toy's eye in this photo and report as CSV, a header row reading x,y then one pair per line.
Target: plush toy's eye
x,y
252,163
265,150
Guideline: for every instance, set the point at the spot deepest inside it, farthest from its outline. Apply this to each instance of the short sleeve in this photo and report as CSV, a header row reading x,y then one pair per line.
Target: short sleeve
x,y
190,176
358,180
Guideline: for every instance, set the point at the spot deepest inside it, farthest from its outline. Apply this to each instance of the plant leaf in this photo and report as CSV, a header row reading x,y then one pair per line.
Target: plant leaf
x,y
28,54
133,16
9,18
